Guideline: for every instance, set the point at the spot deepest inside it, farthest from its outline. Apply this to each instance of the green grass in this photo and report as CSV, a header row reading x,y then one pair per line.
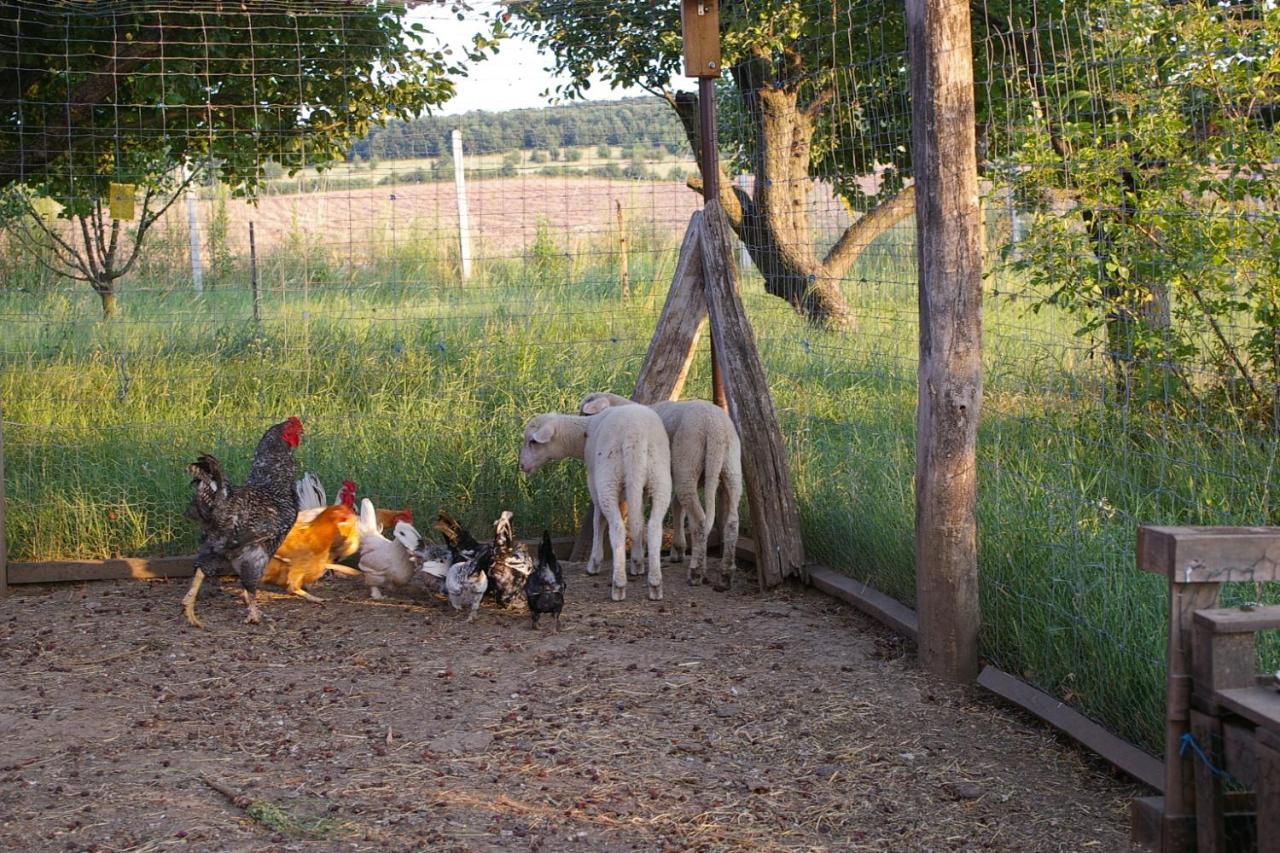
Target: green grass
x,y
417,387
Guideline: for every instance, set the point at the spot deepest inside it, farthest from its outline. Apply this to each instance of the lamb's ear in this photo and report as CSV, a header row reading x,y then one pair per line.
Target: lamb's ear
x,y
593,404
545,432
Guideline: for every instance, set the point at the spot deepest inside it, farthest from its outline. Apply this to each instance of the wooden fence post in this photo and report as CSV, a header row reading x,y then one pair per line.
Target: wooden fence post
x,y
943,141
464,220
4,546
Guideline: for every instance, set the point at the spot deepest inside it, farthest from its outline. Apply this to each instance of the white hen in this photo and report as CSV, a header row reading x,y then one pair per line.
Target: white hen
x,y
385,562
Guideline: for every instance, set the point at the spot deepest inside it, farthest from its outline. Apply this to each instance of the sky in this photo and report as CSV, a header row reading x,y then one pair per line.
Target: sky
x,y
514,79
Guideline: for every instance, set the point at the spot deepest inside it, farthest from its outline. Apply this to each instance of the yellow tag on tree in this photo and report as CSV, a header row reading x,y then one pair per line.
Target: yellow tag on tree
x,y
46,208
120,198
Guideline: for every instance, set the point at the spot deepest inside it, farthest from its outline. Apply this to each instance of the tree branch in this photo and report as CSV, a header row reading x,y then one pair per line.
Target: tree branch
x,y
855,239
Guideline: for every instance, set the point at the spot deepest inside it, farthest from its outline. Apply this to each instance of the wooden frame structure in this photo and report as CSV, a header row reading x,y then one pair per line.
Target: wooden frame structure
x,y
1212,694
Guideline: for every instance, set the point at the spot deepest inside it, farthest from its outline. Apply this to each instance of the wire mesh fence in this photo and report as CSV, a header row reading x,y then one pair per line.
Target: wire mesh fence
x,y
1127,156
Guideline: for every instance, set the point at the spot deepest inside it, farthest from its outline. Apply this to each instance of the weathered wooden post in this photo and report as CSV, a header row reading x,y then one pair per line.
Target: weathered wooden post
x,y
4,545
943,152
464,220
700,29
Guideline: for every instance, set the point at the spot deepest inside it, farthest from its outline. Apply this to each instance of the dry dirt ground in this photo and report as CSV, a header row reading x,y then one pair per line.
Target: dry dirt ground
x,y
703,722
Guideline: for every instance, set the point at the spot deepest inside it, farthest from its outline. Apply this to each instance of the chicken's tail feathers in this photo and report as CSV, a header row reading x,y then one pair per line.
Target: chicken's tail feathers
x,y
435,568
209,483
503,534
368,519
310,492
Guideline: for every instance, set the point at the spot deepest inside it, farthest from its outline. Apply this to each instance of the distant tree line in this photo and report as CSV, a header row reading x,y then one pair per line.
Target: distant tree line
x,y
632,121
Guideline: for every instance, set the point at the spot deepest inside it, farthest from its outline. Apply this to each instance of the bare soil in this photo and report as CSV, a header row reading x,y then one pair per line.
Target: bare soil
x,y
705,722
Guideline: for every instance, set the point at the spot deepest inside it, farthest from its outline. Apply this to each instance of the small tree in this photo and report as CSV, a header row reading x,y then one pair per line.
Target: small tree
x,y
85,241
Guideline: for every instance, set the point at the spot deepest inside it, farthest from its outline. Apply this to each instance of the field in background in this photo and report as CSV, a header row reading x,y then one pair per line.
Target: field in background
x,y
416,385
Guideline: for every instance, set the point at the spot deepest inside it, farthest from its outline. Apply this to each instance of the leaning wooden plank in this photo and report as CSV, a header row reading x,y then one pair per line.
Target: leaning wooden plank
x,y
883,608
59,571
1140,765
775,518
1210,554
675,338
672,348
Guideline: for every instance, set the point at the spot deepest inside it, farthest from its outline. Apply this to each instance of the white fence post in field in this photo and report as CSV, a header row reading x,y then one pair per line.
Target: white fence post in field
x,y
193,226
744,257
464,225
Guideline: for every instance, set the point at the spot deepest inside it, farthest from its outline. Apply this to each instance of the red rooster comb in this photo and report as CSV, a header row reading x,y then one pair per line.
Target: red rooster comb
x,y
292,433
347,497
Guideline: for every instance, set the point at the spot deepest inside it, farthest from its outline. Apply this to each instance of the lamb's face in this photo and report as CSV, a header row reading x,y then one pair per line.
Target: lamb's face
x,y
539,437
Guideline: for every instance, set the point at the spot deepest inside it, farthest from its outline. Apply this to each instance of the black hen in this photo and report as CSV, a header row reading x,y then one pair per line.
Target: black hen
x,y
242,526
545,587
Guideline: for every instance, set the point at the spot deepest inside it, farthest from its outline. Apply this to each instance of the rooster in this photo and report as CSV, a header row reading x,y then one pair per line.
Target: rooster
x,y
242,526
312,548
544,589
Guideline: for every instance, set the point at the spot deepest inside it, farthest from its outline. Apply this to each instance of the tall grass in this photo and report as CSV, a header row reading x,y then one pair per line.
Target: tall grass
x,y
416,386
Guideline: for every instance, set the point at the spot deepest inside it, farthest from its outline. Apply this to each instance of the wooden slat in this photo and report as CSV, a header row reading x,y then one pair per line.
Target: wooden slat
x,y
1211,832
1146,814
1210,554
884,609
1238,757
4,548
1140,765
671,350
124,568
1258,705
775,517
1233,620
1268,793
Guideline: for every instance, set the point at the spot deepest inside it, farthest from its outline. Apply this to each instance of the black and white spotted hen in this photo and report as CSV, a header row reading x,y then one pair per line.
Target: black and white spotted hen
x,y
512,565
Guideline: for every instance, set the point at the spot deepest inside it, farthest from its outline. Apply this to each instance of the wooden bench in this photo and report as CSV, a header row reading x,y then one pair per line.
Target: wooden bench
x,y
1235,720
1197,561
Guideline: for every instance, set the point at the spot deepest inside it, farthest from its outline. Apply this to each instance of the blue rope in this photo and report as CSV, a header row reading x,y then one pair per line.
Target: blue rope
x,y
1189,742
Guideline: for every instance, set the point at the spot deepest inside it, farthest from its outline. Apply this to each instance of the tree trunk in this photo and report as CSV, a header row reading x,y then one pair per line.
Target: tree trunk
x,y
773,220
108,297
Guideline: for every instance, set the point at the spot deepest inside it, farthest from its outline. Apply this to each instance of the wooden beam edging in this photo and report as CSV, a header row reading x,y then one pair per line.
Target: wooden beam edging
x,y
885,609
1139,764
895,615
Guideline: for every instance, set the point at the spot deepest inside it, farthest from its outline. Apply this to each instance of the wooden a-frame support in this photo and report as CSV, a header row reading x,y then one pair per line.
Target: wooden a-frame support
x,y
705,286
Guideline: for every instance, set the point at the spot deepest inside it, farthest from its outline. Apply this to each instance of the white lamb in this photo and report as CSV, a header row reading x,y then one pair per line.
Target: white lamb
x,y
705,451
626,451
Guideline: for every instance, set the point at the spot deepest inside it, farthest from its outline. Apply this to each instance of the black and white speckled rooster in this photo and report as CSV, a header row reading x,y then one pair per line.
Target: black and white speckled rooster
x,y
242,526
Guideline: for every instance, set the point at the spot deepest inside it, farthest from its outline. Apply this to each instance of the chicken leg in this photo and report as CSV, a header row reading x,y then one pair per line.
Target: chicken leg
x,y
189,600
302,593
255,615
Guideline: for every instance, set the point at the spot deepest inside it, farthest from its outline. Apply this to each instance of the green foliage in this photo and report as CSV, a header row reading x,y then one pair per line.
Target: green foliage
x,y
235,88
858,53
1167,195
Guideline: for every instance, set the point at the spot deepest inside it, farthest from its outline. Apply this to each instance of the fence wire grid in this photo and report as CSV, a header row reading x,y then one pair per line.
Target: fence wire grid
x,y
300,252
